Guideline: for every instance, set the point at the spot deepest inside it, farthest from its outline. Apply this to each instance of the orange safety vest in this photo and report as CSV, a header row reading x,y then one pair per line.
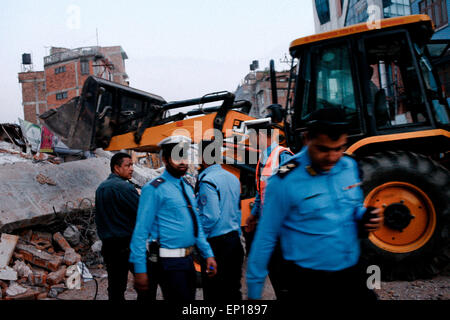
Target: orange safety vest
x,y
268,170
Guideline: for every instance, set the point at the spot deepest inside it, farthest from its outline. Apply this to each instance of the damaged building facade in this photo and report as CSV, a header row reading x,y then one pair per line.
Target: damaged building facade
x,y
256,88
65,71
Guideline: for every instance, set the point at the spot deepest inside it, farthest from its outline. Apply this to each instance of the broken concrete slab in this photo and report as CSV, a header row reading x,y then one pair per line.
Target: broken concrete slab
x,y
25,202
15,289
71,257
72,235
7,245
29,294
7,273
39,258
22,269
97,246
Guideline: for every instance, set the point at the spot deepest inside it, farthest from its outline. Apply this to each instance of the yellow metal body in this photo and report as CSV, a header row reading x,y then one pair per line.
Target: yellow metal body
x,y
363,27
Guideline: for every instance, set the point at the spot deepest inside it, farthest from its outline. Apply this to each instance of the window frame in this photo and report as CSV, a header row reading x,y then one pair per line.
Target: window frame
x,y
309,93
425,5
431,123
61,95
60,69
84,70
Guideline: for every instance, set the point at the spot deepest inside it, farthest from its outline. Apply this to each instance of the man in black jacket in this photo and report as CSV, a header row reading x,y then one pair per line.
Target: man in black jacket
x,y
116,202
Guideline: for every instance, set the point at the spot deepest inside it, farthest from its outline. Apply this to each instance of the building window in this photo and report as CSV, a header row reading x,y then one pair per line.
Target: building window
x,y
356,12
396,8
60,69
84,67
436,9
323,10
61,95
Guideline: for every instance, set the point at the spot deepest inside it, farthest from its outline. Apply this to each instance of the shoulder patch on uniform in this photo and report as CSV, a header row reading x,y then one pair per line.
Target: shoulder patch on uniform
x,y
285,169
157,182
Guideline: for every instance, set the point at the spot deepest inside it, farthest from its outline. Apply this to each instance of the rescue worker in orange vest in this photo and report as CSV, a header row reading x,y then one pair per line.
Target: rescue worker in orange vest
x,y
263,136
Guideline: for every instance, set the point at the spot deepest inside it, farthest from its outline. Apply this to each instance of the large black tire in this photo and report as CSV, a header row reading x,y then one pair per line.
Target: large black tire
x,y
434,180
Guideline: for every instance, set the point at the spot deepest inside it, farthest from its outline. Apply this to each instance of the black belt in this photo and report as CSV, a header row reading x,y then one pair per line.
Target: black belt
x,y
224,236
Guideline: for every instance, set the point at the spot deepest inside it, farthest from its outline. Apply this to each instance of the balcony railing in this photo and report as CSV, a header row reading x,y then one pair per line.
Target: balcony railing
x,y
71,54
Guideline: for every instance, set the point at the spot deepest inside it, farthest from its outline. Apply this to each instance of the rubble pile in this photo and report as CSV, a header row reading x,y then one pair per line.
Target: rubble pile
x,y
47,221
36,265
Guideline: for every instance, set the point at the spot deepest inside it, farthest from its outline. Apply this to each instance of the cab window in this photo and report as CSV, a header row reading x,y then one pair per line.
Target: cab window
x,y
394,87
332,83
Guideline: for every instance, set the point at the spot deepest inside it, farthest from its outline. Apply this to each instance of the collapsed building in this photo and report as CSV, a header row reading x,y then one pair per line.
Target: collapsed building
x,y
47,219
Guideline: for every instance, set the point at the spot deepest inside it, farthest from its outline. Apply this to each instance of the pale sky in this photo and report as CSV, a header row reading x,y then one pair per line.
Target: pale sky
x,y
178,49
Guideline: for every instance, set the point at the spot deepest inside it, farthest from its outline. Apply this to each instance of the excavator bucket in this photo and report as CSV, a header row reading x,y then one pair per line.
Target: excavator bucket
x,y
103,109
106,109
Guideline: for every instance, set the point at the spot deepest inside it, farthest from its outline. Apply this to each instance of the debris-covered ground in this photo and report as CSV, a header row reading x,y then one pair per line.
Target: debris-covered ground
x,y
49,247
48,235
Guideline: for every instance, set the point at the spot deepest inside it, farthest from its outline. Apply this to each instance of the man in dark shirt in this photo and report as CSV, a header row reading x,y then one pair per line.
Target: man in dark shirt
x,y
116,202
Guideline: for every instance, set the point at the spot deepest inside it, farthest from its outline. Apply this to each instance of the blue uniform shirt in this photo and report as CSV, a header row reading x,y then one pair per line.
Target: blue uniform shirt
x,y
219,216
163,213
284,156
315,216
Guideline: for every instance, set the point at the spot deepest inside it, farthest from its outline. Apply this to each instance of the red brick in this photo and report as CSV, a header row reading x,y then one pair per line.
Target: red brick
x,y
39,258
38,279
57,276
61,241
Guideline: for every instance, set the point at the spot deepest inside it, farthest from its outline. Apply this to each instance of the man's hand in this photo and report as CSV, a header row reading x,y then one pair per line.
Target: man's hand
x,y
141,281
211,267
374,223
250,223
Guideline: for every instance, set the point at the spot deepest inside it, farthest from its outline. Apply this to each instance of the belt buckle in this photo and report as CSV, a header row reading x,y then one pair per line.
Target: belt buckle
x,y
188,251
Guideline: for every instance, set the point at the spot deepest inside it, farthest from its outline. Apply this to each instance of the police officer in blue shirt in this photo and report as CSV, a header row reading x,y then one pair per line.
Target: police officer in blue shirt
x,y
264,137
218,197
167,213
315,205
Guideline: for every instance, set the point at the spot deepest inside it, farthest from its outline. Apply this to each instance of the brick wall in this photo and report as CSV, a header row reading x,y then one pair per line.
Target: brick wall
x,y
258,90
30,82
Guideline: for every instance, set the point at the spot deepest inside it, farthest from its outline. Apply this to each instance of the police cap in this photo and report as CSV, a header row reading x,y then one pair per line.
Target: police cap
x,y
167,144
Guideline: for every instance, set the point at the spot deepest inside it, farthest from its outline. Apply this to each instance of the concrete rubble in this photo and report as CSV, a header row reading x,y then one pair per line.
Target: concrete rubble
x,y
47,221
35,190
39,267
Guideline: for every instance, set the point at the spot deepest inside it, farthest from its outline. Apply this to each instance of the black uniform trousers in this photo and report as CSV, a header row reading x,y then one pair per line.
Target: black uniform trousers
x,y
308,284
175,276
229,255
277,272
115,252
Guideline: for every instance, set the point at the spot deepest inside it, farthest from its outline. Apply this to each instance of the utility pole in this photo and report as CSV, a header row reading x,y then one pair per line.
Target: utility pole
x,y
36,94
